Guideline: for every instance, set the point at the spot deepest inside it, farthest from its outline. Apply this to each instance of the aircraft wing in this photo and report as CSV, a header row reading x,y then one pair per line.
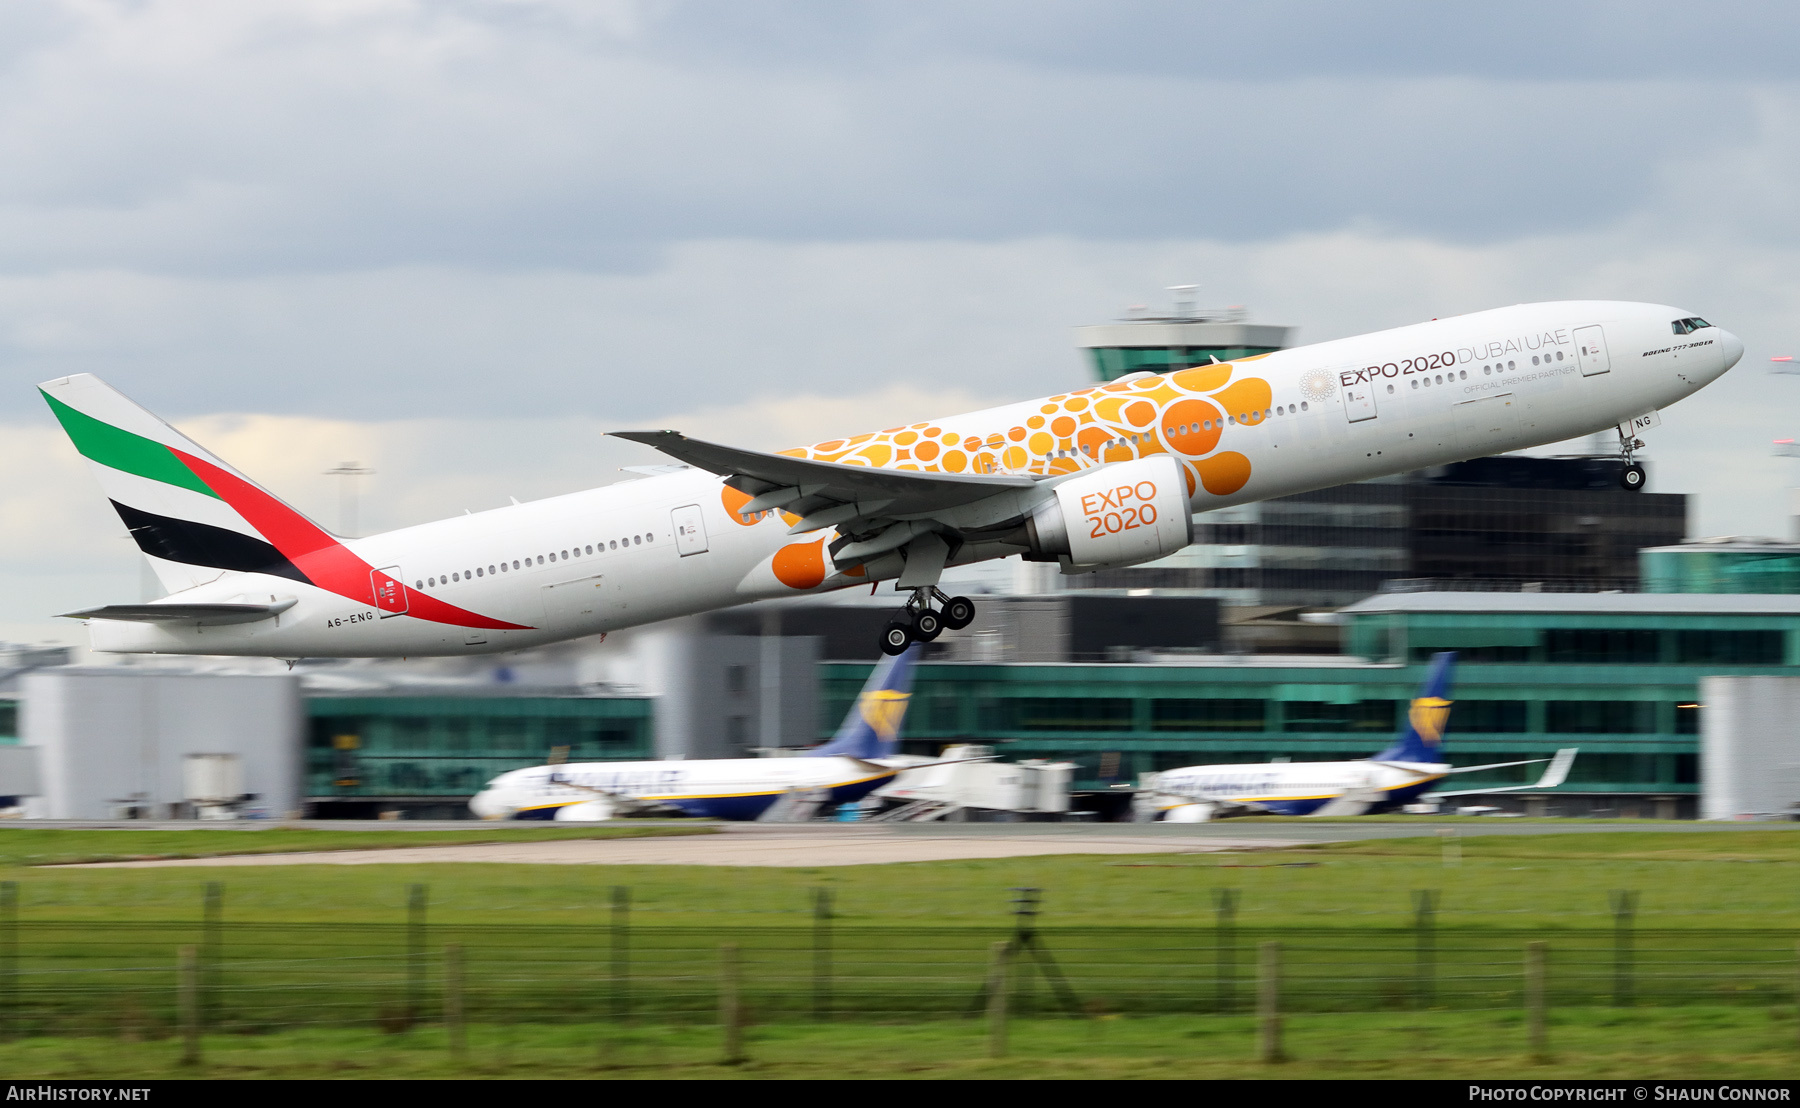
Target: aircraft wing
x,y
197,615
1553,776
1353,803
767,476
623,802
875,510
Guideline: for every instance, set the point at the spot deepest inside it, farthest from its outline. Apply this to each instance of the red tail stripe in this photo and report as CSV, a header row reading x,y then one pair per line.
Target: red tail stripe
x,y
326,562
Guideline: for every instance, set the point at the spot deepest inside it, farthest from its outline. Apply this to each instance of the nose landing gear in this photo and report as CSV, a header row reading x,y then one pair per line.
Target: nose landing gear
x,y
919,622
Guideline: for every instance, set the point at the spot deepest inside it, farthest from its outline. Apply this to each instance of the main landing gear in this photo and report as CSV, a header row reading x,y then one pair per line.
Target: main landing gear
x,y
1632,477
919,622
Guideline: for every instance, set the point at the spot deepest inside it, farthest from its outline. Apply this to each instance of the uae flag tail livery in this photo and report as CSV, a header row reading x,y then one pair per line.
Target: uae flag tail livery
x,y
197,519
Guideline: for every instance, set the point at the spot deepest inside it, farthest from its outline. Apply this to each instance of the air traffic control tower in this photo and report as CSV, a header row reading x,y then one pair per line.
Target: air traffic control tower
x,y
1186,337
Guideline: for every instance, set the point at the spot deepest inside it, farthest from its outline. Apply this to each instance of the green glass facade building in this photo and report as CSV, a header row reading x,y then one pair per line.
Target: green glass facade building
x,y
1733,565
1616,675
430,752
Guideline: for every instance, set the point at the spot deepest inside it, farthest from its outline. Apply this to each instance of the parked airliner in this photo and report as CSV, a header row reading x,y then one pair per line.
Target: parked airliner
x,y
1091,479
857,761
1409,767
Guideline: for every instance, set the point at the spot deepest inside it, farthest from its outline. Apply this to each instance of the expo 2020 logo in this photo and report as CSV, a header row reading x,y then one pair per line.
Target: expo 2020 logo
x,y
1316,385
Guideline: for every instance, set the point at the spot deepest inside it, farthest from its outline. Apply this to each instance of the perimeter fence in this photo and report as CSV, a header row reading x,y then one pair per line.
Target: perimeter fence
x,y
120,977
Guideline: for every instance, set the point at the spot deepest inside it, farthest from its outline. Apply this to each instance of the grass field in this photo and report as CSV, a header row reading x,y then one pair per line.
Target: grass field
x,y
1684,1043
1688,880
309,961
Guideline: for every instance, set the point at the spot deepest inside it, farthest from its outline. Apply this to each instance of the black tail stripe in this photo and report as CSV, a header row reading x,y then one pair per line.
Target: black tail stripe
x,y
201,544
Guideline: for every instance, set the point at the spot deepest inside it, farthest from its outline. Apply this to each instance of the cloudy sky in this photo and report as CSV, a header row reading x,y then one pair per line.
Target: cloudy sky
x,y
457,241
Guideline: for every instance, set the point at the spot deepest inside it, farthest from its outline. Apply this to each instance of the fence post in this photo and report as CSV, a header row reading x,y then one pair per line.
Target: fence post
x,y
1536,998
731,1008
1797,986
187,996
1624,907
821,954
415,955
1451,842
212,943
1225,938
997,992
1268,1004
621,953
1425,926
453,1001
9,960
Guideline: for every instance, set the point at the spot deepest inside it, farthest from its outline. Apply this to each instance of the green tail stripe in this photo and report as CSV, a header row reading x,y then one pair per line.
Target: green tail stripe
x,y
110,446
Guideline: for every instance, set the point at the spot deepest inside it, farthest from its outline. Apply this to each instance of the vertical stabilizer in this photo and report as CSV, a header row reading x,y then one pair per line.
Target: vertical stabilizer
x,y
1421,739
872,728
192,515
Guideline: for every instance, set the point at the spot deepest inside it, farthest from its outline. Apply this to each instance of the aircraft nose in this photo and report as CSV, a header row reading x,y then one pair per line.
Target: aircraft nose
x,y
1731,348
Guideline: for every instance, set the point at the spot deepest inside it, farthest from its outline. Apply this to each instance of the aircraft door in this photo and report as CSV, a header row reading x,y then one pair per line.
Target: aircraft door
x,y
390,594
1359,401
690,530
1590,347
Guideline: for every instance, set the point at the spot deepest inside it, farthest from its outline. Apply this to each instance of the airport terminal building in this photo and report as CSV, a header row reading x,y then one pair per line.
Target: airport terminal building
x,y
1616,674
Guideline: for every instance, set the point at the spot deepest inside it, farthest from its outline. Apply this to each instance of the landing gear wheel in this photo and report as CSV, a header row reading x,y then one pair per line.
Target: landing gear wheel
x,y
927,625
1631,479
958,613
896,637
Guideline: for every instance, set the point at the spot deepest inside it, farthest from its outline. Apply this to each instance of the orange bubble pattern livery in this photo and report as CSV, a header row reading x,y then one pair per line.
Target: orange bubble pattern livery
x,y
1185,414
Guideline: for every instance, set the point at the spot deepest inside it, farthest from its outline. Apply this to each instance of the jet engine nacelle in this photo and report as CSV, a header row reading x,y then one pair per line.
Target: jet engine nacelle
x,y
587,811
1120,515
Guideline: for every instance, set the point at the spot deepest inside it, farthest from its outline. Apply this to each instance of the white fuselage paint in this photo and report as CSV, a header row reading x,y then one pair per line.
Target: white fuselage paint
x,y
1649,368
1296,788
720,788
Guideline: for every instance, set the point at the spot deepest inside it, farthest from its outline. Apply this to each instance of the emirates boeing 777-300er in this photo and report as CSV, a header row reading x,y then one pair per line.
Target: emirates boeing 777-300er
x,y
1092,478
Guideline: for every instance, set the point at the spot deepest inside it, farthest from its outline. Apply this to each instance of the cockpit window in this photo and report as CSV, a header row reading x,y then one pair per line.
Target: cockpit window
x,y
1689,325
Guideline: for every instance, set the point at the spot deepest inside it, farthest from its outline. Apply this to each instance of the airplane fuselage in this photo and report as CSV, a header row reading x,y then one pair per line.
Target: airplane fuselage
x,y
1299,788
675,543
722,788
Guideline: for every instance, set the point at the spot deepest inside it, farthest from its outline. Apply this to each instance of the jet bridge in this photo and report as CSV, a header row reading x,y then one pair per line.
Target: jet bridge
x,y
968,783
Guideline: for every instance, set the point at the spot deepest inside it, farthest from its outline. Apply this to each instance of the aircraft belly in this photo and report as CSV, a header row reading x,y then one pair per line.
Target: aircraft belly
x,y
1297,807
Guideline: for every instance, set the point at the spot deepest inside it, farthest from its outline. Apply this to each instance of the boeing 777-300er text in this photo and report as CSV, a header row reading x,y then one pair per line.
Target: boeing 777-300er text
x,y
1094,478
859,759
1410,766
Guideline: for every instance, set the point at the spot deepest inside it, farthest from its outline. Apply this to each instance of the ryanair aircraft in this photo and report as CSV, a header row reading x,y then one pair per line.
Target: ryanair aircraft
x,y
1407,769
859,759
1090,479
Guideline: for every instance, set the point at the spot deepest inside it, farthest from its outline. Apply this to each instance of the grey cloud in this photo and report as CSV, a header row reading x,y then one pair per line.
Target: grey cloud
x,y
177,139
1270,39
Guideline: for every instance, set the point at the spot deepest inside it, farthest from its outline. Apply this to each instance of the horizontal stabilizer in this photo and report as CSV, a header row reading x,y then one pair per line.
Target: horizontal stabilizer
x,y
192,615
